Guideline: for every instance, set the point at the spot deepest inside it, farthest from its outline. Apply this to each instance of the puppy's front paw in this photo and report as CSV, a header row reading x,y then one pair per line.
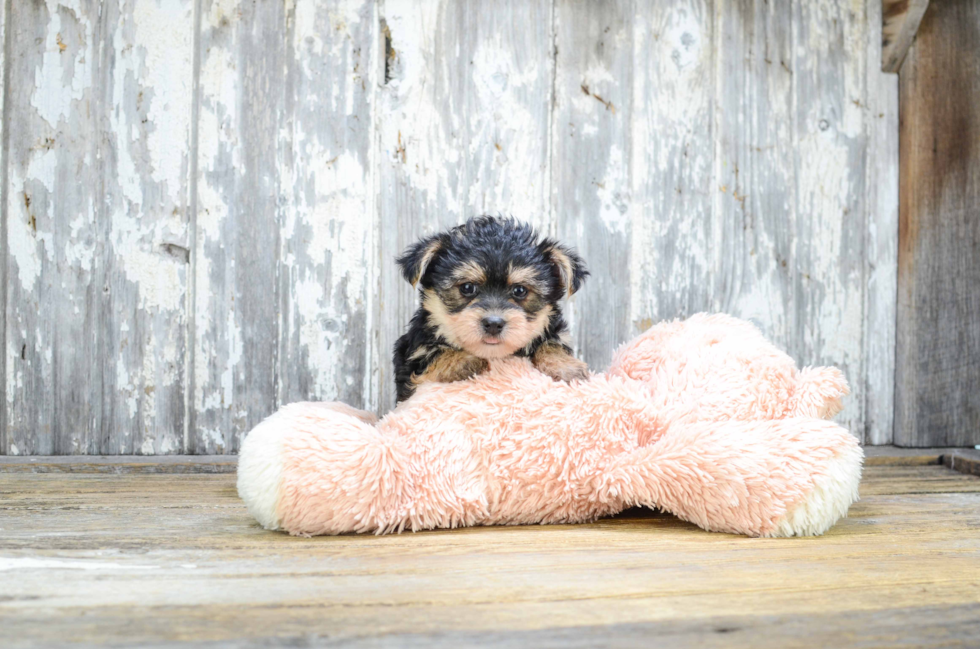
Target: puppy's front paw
x,y
556,362
467,367
568,372
453,365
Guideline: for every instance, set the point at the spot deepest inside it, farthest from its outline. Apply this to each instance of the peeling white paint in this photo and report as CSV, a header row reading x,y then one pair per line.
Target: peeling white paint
x,y
125,386
213,437
52,96
78,252
160,282
167,47
22,244
235,345
614,194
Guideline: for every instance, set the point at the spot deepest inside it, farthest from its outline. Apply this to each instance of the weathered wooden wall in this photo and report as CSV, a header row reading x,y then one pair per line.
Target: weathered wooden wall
x,y
938,359
202,199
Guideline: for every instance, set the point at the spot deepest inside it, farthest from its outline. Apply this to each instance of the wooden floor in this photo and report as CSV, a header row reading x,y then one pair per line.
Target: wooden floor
x,y
103,559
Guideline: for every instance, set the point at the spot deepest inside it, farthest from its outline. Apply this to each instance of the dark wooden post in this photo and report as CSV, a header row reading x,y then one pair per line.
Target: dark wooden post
x,y
937,382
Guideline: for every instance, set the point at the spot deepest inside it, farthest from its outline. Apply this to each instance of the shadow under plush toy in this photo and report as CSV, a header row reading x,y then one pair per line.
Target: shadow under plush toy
x,y
702,418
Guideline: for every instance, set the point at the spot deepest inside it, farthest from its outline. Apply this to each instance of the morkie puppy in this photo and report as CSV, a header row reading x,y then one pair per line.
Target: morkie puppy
x,y
490,289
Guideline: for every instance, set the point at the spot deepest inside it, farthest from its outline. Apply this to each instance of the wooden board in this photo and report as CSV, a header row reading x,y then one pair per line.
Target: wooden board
x,y
119,464
3,228
211,238
881,241
464,124
131,559
755,217
591,145
96,216
938,353
922,479
284,230
830,117
327,269
963,460
673,227
893,455
235,293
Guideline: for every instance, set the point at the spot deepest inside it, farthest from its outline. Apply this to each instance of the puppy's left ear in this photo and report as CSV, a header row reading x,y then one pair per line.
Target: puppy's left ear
x,y
418,257
568,266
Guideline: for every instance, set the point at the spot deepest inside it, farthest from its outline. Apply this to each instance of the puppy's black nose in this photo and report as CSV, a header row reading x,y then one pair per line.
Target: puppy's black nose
x,y
493,325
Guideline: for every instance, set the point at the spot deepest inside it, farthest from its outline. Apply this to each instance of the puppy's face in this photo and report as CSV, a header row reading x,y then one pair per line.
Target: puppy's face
x,y
489,286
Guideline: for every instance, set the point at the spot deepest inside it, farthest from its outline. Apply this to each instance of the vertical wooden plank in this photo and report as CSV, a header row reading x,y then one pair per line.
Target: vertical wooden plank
x,y
937,400
285,252
464,123
96,224
4,80
590,177
753,249
147,192
789,207
327,270
829,84
673,189
881,249
237,230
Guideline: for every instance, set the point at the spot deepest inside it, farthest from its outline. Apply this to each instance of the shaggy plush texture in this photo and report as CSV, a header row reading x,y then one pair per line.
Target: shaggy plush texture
x,y
703,418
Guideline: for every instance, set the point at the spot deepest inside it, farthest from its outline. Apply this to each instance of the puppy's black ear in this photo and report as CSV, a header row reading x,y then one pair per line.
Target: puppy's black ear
x,y
568,266
416,260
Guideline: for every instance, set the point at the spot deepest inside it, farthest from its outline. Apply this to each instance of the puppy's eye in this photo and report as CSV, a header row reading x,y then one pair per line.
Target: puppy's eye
x,y
519,292
468,289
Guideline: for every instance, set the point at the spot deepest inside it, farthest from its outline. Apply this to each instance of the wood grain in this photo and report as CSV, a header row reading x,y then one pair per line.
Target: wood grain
x,y
140,559
119,464
938,353
591,145
327,263
921,479
893,455
4,117
673,229
756,219
237,229
96,213
284,254
881,241
963,460
830,114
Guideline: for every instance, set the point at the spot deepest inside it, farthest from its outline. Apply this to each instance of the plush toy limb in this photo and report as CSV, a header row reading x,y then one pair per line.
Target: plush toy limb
x,y
793,477
260,468
819,392
318,468
716,367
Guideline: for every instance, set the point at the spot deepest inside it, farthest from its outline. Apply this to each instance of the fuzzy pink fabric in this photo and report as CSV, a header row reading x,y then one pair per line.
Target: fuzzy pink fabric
x,y
703,418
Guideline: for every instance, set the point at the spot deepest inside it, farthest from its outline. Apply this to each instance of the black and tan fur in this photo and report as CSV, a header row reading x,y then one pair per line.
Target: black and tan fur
x,y
490,288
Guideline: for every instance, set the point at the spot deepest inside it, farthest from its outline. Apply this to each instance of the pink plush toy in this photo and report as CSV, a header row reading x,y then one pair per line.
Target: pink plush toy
x,y
702,418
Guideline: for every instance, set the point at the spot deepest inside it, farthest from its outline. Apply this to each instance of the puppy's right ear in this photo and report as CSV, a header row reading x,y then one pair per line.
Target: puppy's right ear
x,y
416,260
